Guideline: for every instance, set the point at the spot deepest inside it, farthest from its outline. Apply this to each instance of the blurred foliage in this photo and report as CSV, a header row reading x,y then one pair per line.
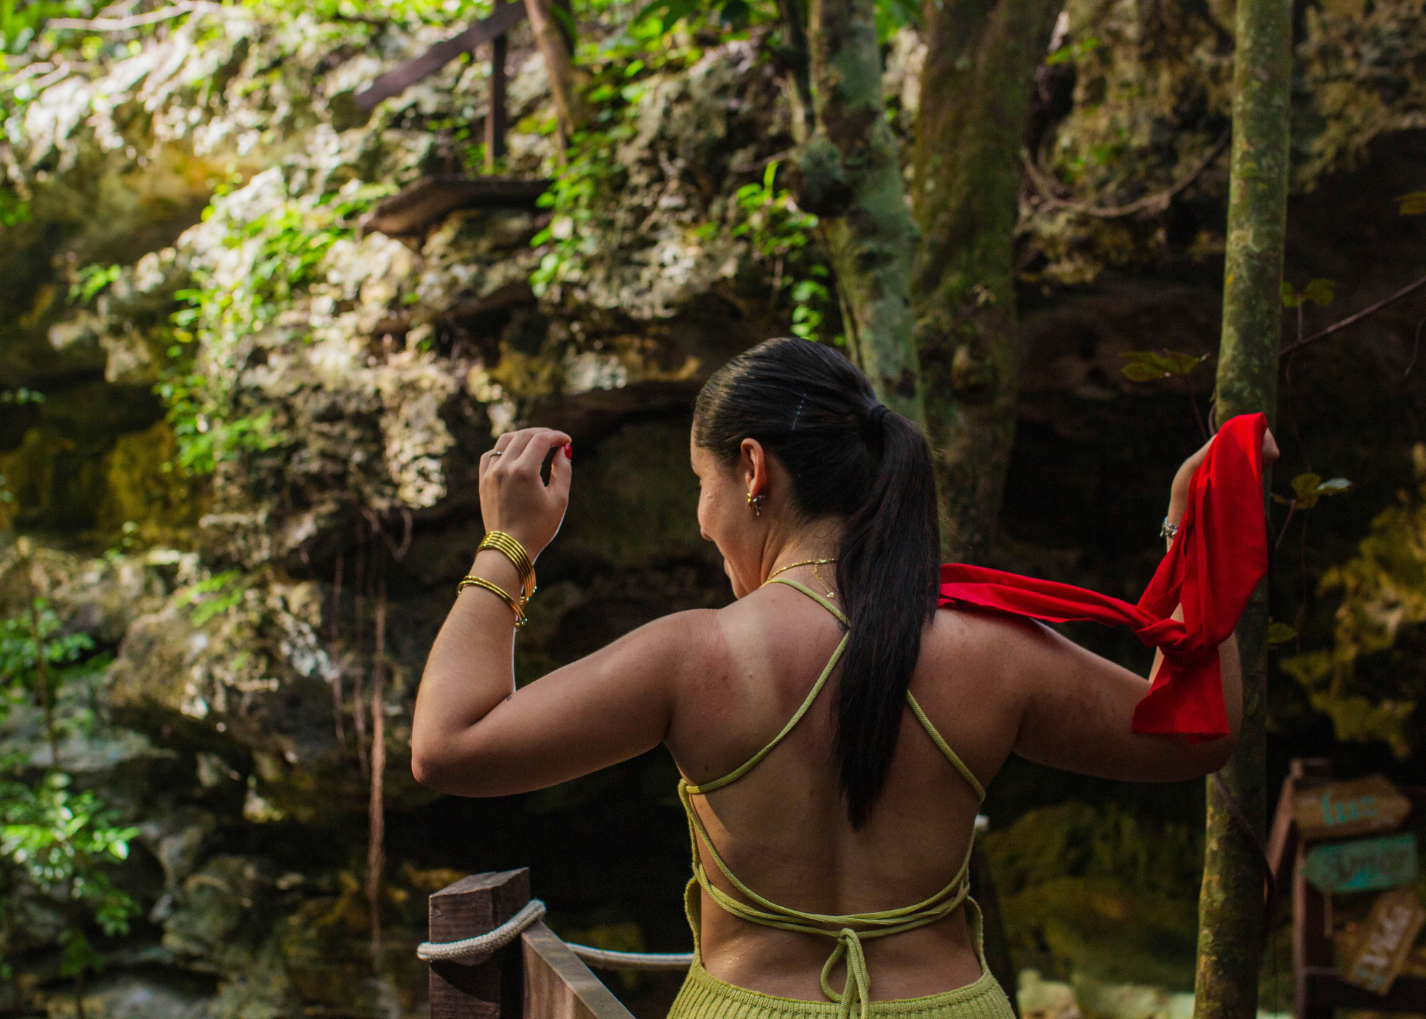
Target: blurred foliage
x,y
783,238
1099,891
1320,292
38,657
58,840
1372,677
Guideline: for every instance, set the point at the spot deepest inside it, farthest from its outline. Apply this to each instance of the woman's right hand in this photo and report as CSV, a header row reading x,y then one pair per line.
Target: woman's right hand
x,y
513,496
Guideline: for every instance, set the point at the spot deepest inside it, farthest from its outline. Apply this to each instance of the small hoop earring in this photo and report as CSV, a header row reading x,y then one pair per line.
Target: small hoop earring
x,y
755,503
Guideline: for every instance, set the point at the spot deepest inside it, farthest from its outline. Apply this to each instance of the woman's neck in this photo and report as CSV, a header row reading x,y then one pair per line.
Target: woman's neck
x,y
818,540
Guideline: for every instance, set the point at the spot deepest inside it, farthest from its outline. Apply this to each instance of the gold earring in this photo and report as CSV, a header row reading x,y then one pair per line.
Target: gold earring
x,y
755,503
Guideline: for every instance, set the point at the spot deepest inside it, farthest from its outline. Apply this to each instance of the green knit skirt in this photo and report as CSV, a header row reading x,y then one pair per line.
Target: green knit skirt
x,y
704,996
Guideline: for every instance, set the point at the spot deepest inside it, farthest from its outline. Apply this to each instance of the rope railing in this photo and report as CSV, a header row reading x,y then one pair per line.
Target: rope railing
x,y
533,911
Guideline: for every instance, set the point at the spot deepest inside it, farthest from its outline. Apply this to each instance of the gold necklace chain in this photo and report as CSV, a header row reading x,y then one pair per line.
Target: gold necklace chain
x,y
814,563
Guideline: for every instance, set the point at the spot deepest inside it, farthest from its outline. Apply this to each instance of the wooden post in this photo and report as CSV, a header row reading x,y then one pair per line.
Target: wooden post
x,y
495,119
472,906
1311,940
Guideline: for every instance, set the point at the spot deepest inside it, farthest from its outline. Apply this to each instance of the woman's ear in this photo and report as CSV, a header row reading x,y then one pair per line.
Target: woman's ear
x,y
753,466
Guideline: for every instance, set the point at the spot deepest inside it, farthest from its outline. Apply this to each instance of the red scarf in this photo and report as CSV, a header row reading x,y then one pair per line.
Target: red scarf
x,y
1219,556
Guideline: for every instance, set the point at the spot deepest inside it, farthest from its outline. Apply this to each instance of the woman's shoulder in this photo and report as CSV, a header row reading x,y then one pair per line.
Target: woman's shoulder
x,y
978,642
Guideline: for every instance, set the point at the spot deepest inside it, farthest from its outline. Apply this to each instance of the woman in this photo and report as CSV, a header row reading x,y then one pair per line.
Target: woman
x,y
832,772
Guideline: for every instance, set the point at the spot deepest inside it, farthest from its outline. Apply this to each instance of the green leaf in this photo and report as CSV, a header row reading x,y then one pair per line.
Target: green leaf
x,y
1319,292
1290,297
1304,488
1333,486
1146,365
1280,633
1178,363
1141,371
1413,203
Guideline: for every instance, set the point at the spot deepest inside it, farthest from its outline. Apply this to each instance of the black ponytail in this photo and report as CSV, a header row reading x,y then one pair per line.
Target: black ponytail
x,y
848,456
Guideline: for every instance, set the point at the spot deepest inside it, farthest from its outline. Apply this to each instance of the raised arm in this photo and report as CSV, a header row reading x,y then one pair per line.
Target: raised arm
x,y
1077,708
473,733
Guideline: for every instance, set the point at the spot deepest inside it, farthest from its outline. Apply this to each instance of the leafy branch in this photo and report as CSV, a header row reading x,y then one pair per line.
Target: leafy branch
x,y
1147,365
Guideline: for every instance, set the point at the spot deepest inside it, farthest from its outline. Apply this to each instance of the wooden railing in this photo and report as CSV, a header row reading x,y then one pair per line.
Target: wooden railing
x,y
536,977
494,30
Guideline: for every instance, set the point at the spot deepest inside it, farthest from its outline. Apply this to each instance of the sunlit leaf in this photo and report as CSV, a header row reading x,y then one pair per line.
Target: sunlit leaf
x,y
1280,633
1290,298
1333,486
1413,203
1319,292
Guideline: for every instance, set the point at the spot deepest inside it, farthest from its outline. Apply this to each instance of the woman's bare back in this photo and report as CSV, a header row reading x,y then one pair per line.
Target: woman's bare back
x,y
783,828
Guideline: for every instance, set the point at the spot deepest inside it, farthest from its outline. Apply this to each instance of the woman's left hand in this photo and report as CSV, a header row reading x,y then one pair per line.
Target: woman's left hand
x,y
1178,492
513,496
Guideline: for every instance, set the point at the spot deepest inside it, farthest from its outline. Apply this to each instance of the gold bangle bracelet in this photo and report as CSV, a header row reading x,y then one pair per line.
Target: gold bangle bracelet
x,y
519,558
493,588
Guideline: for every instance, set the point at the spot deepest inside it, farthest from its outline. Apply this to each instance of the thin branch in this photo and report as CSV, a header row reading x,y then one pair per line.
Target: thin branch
x,y
761,164
138,20
1415,349
1372,309
1044,186
1291,508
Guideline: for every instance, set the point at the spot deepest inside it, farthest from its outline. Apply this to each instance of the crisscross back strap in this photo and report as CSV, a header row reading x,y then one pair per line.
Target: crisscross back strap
x,y
756,759
945,748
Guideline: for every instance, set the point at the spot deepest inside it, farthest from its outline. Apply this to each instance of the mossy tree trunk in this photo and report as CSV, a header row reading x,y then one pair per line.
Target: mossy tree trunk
x,y
975,94
852,178
1230,912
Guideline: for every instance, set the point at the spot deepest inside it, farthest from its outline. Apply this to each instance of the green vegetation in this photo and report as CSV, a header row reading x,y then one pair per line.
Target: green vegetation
x,y
1370,681
54,839
783,237
281,254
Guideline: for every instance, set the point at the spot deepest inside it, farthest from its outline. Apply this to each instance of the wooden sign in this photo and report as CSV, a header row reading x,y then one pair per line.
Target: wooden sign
x,y
1396,919
1344,809
1365,865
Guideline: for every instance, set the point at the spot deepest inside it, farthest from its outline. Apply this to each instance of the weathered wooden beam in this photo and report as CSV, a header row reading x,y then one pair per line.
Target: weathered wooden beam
x,y
398,80
474,905
495,120
558,985
428,201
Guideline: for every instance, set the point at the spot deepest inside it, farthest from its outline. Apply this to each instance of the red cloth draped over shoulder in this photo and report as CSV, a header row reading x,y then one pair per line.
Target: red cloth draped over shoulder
x,y
1219,556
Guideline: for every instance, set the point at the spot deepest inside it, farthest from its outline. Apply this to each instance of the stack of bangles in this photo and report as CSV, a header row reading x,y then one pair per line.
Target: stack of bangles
x,y
520,559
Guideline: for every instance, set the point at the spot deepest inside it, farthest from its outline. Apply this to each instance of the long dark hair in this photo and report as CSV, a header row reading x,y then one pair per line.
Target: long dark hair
x,y
849,456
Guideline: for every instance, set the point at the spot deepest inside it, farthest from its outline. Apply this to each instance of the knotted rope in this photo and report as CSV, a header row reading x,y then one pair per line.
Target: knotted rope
x,y
484,945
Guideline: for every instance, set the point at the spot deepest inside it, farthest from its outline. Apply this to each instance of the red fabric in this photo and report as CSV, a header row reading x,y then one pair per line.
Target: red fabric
x,y
1219,556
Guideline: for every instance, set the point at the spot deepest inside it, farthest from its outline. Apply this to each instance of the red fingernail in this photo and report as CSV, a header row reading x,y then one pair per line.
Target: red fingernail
x,y
569,450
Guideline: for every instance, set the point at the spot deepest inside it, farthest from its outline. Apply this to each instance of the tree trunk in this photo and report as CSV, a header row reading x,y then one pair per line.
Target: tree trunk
x,y
559,68
852,178
975,94
1230,911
